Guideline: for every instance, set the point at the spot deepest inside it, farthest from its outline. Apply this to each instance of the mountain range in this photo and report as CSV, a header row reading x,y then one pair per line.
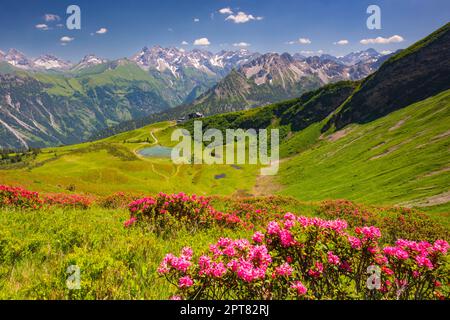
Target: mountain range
x,y
410,76
47,101
263,80
173,59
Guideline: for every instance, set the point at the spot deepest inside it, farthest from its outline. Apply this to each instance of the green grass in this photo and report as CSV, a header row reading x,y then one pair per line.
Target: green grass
x,y
116,263
393,160
60,85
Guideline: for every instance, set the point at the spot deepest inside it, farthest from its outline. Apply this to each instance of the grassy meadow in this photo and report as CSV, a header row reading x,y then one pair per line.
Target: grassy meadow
x,y
113,165
115,263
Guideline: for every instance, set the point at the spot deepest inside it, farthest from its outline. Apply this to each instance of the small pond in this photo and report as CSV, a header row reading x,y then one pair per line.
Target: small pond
x,y
155,152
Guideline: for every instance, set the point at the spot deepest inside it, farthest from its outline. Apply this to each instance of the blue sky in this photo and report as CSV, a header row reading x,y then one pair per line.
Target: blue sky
x,y
271,26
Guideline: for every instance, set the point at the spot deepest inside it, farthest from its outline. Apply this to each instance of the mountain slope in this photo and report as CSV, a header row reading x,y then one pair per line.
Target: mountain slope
x,y
270,78
44,109
402,158
414,74
289,116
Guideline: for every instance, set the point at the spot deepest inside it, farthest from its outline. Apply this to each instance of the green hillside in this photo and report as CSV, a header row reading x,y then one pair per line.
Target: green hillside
x,y
403,158
290,116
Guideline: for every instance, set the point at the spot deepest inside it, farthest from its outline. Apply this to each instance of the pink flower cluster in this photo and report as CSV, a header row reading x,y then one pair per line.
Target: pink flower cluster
x,y
192,211
293,260
74,201
423,252
336,225
211,268
130,222
333,259
185,282
17,197
172,262
258,237
317,270
284,270
369,233
299,288
248,262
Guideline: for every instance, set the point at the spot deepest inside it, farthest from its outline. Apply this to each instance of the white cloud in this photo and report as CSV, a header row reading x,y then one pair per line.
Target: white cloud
x,y
311,53
241,44
51,17
385,52
299,41
66,39
342,42
42,26
242,17
381,40
101,31
226,11
196,20
202,42
184,43
304,41
60,25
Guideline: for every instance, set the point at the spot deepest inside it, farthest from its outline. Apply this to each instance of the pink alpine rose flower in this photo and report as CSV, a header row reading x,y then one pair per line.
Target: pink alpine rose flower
x,y
333,259
185,282
258,237
284,270
300,288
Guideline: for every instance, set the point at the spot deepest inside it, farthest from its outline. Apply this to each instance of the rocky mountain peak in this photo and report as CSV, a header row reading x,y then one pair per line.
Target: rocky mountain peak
x,y
49,62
